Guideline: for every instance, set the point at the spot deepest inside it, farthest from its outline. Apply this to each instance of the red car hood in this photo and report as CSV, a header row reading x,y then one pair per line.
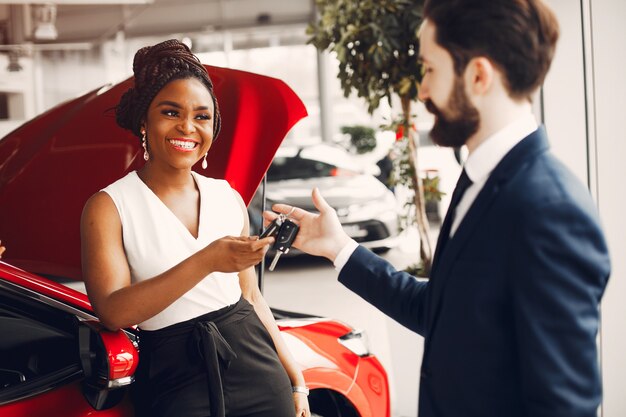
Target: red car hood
x,y
51,165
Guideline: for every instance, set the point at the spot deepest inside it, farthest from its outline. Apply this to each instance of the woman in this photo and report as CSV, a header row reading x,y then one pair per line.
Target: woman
x,y
154,254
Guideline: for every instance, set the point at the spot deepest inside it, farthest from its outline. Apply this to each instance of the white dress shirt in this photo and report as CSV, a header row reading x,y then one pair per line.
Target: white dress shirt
x,y
486,157
478,166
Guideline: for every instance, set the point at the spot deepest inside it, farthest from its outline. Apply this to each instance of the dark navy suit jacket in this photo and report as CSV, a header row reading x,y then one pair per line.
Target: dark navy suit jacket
x,y
510,314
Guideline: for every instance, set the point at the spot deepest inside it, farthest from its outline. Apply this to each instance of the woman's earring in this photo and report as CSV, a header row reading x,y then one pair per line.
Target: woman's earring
x,y
146,156
204,163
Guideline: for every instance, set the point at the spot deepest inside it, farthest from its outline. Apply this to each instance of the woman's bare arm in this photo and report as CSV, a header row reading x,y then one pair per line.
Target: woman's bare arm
x,y
107,275
250,291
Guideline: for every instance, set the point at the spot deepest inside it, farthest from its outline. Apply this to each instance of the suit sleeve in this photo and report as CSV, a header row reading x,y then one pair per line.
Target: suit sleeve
x,y
397,294
561,270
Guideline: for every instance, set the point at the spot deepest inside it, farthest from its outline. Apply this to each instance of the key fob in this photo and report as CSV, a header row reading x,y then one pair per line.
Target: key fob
x,y
272,228
287,233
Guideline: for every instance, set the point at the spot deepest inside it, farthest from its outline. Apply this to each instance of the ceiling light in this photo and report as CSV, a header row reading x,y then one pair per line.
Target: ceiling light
x,y
14,62
44,19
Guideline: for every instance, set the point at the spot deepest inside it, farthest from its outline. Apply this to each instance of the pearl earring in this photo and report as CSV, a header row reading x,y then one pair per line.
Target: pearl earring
x,y
204,163
146,156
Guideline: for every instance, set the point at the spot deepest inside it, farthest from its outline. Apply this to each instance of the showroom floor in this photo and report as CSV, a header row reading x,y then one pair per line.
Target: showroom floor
x,y
309,285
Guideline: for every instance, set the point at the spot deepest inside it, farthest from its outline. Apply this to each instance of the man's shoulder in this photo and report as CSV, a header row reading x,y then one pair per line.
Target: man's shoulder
x,y
544,181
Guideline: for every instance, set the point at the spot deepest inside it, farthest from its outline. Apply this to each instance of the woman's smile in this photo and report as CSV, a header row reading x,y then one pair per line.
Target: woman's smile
x,y
184,145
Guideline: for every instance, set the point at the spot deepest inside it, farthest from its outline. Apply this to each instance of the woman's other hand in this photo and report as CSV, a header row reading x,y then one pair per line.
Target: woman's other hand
x,y
234,254
302,404
2,249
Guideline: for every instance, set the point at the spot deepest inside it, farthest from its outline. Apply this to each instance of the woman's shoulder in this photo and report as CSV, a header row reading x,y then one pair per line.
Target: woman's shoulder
x,y
126,181
110,197
98,206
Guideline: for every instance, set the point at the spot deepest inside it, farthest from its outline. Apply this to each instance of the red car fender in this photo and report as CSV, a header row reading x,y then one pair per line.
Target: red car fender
x,y
326,364
372,376
325,379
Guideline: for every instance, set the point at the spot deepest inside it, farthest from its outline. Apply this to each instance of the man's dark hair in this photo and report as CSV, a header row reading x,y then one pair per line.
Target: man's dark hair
x,y
154,67
518,36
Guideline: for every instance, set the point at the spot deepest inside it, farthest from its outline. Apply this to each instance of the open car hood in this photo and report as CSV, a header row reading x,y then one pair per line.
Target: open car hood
x,y
51,165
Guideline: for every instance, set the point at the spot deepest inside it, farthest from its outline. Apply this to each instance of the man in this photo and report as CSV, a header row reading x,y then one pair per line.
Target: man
x,y
385,164
510,314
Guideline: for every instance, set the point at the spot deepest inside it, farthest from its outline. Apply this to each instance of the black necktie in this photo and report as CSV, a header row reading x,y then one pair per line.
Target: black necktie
x,y
462,185
444,234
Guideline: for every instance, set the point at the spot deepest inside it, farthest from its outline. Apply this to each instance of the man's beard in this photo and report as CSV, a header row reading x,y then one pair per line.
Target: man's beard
x,y
455,125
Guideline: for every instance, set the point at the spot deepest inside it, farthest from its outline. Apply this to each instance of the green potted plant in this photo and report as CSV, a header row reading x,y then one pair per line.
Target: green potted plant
x,y
362,138
377,47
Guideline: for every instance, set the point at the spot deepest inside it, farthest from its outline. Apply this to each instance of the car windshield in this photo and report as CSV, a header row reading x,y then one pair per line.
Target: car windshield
x,y
289,168
310,162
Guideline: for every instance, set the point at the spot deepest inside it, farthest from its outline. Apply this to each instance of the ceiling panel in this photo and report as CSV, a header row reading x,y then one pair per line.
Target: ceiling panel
x,y
84,22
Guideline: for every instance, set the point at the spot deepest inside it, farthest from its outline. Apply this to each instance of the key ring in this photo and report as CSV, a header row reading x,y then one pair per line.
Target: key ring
x,y
283,216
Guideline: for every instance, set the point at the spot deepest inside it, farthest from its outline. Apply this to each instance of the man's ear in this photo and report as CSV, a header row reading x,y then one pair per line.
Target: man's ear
x,y
479,75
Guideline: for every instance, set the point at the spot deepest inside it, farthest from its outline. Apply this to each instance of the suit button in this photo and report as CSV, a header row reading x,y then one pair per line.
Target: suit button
x,y
425,374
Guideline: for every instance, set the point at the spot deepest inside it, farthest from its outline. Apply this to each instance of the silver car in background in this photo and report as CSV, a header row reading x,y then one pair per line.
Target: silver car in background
x,y
366,208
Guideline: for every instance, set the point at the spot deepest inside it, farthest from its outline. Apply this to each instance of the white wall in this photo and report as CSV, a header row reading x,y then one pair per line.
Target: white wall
x,y
21,85
584,108
608,30
564,92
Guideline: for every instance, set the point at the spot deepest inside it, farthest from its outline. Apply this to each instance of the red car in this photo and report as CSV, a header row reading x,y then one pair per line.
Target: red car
x,y
55,357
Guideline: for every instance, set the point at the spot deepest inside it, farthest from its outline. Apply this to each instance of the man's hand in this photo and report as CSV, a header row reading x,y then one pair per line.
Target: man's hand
x,y
320,234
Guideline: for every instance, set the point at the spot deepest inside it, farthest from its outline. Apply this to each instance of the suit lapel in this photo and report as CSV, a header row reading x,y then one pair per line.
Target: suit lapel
x,y
514,161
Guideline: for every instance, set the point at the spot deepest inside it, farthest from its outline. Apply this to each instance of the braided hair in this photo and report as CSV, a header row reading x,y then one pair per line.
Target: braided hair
x,y
154,67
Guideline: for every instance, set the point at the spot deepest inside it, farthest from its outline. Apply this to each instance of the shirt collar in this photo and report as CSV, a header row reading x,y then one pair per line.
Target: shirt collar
x,y
489,153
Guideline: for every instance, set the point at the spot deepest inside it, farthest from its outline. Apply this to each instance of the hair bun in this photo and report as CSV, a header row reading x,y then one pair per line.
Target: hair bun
x,y
153,67
123,111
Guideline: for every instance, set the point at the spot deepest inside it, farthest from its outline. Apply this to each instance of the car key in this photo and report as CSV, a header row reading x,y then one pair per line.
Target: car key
x,y
272,228
287,233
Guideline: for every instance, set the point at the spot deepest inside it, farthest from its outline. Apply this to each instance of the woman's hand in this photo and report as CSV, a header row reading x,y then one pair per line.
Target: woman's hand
x,y
234,254
302,404
2,249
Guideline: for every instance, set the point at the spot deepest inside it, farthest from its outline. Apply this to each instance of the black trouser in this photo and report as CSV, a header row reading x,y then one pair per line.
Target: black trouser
x,y
221,363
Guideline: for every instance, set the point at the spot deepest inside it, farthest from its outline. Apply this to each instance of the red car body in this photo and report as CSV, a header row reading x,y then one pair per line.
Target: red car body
x,y
48,169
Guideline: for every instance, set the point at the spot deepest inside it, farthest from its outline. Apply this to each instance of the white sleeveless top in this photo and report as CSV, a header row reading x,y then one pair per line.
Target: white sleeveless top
x,y
155,240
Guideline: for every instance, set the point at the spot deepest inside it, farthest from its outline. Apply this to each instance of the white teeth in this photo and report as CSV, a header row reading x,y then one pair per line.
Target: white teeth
x,y
183,144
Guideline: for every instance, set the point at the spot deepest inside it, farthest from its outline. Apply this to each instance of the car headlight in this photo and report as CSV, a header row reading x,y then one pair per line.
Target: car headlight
x,y
356,342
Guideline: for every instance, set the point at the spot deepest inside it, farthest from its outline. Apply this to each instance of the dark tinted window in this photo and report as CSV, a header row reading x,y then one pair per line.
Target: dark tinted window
x,y
289,168
38,347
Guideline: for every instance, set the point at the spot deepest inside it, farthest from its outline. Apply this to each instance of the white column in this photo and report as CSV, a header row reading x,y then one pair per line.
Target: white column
x,y
584,104
608,33
325,97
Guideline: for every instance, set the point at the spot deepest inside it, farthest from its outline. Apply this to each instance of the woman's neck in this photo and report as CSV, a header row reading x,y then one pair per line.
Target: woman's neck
x,y
160,178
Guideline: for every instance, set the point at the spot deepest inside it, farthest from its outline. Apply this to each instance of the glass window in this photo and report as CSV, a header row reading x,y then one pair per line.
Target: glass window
x,y
38,347
294,168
